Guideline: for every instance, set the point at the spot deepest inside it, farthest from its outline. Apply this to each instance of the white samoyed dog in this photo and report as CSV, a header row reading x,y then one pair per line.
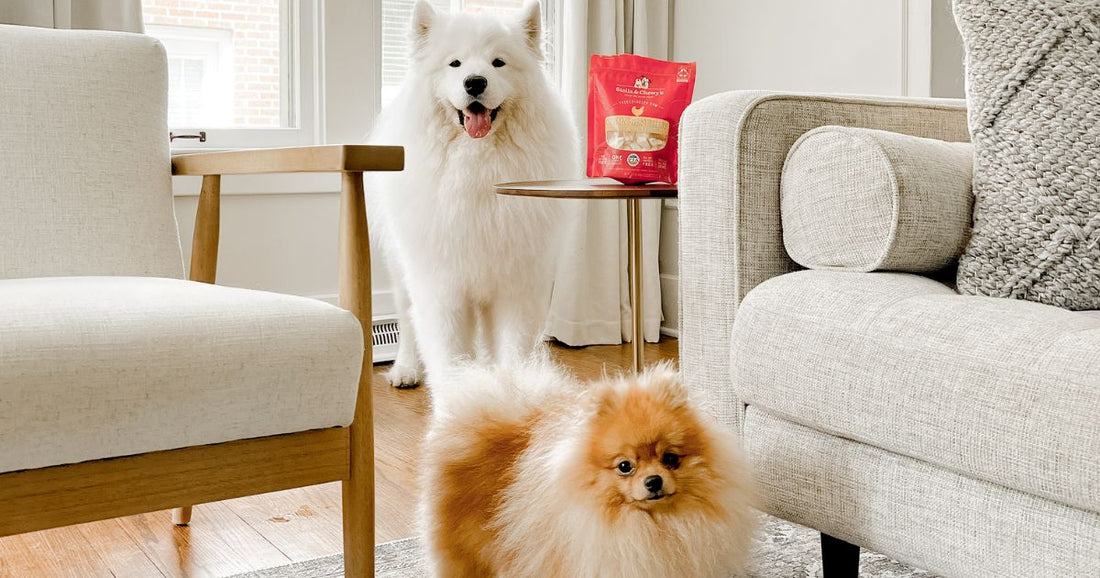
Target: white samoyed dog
x,y
472,269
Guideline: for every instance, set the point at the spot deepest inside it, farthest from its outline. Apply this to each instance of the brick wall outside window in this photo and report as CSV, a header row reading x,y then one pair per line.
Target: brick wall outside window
x,y
255,31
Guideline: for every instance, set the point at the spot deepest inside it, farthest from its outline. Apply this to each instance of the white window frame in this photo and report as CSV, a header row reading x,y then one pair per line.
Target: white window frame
x,y
211,46
298,98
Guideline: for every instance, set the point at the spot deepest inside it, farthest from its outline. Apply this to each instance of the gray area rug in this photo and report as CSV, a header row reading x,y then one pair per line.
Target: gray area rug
x,y
783,550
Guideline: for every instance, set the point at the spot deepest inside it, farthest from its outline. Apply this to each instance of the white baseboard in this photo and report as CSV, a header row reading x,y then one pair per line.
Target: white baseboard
x,y
383,311
670,303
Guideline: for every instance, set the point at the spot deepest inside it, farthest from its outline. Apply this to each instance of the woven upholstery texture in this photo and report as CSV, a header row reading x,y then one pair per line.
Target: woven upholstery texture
x,y
863,200
85,176
905,363
732,149
918,513
1033,87
98,367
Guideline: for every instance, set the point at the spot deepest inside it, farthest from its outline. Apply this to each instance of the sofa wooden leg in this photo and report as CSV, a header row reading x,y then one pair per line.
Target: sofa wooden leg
x,y
839,559
181,516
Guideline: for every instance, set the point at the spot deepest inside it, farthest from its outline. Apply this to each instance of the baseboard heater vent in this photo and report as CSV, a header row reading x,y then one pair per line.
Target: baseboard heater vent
x,y
384,338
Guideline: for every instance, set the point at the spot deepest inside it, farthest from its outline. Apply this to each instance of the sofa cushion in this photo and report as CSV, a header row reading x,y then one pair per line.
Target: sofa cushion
x,y
863,200
1033,92
1002,390
97,367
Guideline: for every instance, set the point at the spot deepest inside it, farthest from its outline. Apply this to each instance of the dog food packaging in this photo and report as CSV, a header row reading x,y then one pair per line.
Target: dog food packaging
x,y
634,108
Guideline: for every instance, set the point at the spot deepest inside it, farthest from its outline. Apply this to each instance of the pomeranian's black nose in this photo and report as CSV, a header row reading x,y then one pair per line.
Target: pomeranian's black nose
x,y
475,85
653,483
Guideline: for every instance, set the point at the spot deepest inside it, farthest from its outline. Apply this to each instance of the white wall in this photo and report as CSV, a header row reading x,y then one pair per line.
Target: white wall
x,y
283,242
838,46
947,79
854,46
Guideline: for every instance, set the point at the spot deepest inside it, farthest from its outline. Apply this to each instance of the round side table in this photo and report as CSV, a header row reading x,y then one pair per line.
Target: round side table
x,y
608,189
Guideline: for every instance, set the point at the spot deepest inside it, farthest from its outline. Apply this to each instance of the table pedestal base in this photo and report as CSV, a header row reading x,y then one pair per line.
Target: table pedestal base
x,y
634,251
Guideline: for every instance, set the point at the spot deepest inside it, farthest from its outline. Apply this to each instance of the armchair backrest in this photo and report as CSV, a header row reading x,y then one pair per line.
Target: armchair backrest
x,y
85,173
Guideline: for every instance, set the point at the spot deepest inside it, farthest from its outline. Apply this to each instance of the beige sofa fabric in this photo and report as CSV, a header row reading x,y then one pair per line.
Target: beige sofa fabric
x,y
85,185
864,200
98,367
921,514
1002,390
732,149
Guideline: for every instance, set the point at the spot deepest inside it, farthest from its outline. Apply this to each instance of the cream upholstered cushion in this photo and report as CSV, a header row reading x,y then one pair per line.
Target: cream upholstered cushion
x,y
933,518
1000,390
864,200
97,367
85,184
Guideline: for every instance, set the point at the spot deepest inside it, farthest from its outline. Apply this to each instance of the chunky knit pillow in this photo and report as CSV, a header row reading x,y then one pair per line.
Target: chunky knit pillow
x,y
1033,90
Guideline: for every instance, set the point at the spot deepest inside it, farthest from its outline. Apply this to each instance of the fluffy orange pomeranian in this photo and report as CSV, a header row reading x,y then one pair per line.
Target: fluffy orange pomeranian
x,y
529,473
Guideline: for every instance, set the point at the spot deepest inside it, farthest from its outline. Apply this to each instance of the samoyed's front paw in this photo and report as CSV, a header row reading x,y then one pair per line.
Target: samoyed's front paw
x,y
403,376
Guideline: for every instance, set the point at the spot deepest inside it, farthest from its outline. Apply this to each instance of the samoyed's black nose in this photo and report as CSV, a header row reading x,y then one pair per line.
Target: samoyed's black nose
x,y
653,483
475,85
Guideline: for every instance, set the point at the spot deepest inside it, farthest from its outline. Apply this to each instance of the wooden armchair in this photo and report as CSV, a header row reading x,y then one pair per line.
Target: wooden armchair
x,y
123,388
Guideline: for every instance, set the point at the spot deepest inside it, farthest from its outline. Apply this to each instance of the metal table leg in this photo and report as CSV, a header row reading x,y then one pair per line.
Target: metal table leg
x,y
634,249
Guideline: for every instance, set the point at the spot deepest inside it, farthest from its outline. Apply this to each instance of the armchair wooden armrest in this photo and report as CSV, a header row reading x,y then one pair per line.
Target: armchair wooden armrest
x,y
311,159
355,290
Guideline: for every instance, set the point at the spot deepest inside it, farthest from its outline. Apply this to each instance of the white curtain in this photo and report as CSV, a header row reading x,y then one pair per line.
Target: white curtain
x,y
591,300
124,15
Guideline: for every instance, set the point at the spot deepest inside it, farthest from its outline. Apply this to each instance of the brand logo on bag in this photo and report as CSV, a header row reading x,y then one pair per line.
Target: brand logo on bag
x,y
683,75
641,82
633,159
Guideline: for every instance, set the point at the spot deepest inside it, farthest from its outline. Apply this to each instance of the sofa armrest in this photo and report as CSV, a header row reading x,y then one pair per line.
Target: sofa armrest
x,y
732,148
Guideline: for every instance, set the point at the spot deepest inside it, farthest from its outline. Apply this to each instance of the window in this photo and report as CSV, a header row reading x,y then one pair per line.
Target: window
x,y
201,75
397,15
238,70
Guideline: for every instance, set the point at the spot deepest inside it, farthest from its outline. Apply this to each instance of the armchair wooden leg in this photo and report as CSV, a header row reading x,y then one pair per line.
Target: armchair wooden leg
x,y
355,296
181,516
204,263
839,559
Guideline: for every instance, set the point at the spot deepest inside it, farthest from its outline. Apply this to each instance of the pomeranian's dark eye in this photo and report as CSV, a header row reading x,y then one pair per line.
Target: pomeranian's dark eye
x,y
455,63
497,63
670,460
625,467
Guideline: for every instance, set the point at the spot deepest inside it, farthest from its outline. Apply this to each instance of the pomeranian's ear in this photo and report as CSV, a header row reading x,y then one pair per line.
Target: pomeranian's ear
x,y
530,23
665,384
423,19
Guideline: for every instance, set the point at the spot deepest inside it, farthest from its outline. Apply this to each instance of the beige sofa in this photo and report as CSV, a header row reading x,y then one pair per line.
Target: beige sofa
x,y
957,434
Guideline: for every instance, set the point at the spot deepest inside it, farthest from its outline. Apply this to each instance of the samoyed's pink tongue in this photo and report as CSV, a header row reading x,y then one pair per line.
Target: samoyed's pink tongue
x,y
477,123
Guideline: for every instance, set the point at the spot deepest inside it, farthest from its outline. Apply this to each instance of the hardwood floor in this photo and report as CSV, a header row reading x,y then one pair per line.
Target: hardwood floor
x,y
257,532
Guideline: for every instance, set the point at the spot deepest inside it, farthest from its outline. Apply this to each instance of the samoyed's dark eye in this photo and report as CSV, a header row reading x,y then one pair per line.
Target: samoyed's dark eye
x,y
670,460
497,63
455,63
625,467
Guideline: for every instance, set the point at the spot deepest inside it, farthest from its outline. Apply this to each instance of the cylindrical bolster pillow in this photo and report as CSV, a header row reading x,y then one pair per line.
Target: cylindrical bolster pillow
x,y
863,200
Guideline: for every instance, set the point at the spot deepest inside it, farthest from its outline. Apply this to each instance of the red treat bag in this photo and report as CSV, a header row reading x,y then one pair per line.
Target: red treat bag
x,y
634,108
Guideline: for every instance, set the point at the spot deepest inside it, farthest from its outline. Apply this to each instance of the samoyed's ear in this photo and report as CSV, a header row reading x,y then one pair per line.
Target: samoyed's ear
x,y
422,21
530,23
